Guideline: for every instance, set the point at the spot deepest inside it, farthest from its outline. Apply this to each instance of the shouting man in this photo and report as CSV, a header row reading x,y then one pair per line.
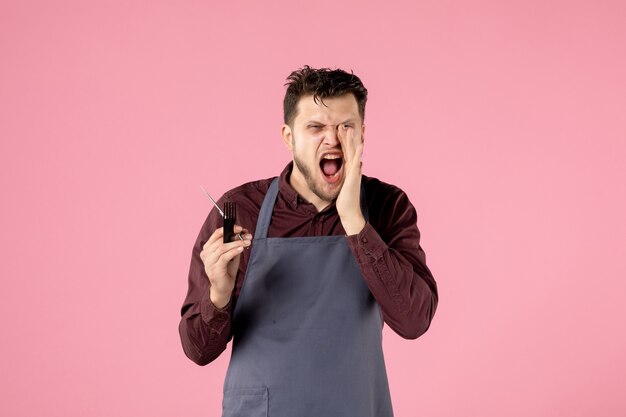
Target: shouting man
x,y
334,255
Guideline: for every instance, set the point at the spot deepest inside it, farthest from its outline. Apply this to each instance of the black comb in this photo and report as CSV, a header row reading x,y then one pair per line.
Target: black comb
x,y
230,217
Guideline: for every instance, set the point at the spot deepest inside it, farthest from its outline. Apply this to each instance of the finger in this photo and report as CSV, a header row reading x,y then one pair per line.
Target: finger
x,y
346,143
228,256
240,229
352,139
225,247
212,254
218,234
218,246
243,232
356,138
358,152
358,146
341,134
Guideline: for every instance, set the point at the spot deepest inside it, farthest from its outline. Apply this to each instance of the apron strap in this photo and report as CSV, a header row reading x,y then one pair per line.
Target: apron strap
x,y
265,215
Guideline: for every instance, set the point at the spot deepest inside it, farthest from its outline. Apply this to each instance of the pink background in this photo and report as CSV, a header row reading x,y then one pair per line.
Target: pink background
x,y
504,121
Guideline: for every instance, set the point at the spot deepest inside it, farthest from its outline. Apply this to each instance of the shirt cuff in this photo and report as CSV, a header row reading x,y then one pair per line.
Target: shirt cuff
x,y
367,246
217,318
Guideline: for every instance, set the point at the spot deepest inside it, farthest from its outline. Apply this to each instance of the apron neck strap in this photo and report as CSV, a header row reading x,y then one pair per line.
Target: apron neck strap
x,y
265,215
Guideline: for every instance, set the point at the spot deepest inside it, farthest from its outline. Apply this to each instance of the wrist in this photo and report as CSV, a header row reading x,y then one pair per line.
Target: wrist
x,y
219,300
354,225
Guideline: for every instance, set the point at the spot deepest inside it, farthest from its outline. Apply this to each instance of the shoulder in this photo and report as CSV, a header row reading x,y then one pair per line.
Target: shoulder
x,y
249,190
379,191
249,196
388,205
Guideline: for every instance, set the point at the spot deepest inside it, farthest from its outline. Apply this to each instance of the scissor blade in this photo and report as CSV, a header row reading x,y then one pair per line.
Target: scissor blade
x,y
213,201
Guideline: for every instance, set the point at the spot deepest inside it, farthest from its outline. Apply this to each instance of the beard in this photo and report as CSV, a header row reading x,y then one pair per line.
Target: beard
x,y
329,196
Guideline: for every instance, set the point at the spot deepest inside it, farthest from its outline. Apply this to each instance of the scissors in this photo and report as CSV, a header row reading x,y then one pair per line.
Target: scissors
x,y
218,209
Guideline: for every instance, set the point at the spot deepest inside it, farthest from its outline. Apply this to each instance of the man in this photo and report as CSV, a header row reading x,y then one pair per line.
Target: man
x,y
334,254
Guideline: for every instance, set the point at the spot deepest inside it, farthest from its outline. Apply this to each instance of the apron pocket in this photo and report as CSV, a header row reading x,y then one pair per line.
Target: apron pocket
x,y
245,402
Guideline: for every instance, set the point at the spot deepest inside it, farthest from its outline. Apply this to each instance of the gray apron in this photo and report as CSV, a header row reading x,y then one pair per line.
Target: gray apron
x,y
307,332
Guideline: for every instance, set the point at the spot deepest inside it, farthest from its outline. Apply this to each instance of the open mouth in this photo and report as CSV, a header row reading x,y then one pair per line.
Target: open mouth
x,y
331,165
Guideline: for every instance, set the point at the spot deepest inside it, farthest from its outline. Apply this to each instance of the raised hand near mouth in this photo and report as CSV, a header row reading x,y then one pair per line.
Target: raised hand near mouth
x,y
349,199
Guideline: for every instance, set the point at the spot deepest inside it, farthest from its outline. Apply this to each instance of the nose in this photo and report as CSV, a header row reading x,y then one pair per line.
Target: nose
x,y
331,137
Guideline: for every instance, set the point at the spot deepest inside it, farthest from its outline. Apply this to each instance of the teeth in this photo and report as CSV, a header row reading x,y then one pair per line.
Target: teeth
x,y
331,157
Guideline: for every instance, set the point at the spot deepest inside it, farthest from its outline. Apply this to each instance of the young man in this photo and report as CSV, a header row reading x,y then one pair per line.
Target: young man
x,y
334,254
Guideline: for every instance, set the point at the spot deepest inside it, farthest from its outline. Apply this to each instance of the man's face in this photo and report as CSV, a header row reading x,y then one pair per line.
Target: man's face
x,y
317,153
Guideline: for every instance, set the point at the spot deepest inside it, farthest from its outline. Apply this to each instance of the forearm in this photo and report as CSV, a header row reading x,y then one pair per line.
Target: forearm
x,y
204,331
402,285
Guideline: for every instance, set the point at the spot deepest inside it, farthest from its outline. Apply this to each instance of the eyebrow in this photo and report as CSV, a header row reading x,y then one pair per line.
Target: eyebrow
x,y
350,120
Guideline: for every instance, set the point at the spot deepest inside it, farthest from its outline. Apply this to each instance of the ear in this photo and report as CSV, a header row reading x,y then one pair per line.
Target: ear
x,y
287,136
363,133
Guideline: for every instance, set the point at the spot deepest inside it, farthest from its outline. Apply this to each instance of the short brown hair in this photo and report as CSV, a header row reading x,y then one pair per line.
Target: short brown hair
x,y
321,83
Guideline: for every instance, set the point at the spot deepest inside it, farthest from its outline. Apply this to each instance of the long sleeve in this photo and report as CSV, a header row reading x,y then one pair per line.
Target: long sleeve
x,y
204,329
394,266
387,251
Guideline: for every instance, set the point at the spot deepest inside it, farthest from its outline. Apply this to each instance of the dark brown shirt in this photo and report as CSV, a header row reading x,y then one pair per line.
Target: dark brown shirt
x,y
387,251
